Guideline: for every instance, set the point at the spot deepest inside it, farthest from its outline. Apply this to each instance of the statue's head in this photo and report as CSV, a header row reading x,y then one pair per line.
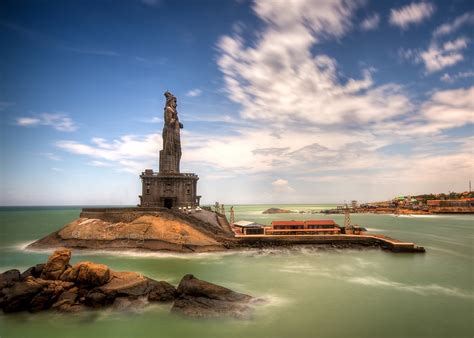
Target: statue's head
x,y
170,99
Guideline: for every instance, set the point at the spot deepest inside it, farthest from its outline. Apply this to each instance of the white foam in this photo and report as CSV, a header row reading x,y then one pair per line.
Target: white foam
x,y
424,290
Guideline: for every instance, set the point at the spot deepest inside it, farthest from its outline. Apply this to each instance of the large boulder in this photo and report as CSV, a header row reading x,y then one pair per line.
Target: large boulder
x,y
194,287
199,298
97,298
162,292
19,296
57,263
34,271
87,273
130,284
8,278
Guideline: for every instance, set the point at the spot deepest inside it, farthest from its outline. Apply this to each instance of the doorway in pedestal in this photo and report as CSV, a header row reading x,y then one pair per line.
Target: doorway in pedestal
x,y
168,203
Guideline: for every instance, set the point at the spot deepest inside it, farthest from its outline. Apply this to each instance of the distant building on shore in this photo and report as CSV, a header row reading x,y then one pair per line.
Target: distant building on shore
x,y
309,227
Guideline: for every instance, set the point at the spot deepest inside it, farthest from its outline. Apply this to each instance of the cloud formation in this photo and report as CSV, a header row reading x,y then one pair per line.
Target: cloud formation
x,y
438,57
370,23
59,122
413,13
194,92
451,27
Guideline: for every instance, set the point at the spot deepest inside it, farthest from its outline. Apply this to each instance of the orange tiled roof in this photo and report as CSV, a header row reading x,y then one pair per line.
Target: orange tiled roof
x,y
287,222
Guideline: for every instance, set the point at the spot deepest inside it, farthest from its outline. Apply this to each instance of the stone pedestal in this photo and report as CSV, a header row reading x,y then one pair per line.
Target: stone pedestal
x,y
169,190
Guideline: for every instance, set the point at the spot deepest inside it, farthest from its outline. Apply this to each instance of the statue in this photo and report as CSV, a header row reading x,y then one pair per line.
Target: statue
x,y
170,156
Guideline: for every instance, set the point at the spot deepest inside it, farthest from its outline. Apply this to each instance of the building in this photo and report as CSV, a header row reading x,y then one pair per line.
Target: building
x,y
249,228
309,227
169,188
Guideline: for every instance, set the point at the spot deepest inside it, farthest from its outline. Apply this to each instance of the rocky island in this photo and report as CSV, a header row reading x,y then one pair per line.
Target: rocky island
x,y
59,286
277,211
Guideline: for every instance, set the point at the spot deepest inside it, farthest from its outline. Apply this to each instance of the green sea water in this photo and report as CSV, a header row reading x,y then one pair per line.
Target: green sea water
x,y
308,292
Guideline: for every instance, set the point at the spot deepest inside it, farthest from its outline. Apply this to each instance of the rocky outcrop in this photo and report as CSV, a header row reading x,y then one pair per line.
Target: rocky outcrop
x,y
134,228
277,211
198,298
59,286
87,273
57,264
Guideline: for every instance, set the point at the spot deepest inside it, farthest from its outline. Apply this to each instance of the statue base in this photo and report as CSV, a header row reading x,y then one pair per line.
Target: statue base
x,y
169,190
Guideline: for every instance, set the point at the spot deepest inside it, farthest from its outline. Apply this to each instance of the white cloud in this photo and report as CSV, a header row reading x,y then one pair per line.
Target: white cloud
x,y
57,169
451,27
370,22
413,13
438,57
279,80
194,92
129,153
52,156
59,122
449,108
460,75
281,186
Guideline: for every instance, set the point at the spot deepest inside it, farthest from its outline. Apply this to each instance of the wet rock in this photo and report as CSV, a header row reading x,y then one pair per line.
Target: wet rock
x,y
42,300
34,271
96,298
162,292
126,304
207,307
87,273
199,298
126,284
194,287
8,278
19,296
57,263
66,299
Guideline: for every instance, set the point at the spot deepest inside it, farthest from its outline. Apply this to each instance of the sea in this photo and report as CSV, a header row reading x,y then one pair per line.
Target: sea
x,y
305,291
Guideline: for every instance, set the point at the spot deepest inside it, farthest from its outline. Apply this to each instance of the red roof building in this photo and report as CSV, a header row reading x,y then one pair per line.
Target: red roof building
x,y
309,227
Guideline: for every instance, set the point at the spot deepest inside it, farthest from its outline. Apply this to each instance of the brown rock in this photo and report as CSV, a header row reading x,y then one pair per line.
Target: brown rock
x,y
87,273
8,278
34,271
56,264
199,298
19,296
162,292
126,284
194,287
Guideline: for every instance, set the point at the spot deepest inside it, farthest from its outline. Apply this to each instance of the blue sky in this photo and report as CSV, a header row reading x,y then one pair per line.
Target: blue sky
x,y
301,101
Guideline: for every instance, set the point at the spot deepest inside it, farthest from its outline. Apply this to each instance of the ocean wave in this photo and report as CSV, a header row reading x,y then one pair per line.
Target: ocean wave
x,y
424,290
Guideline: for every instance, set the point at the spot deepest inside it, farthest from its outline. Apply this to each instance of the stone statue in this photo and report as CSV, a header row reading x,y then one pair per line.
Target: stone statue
x,y
170,156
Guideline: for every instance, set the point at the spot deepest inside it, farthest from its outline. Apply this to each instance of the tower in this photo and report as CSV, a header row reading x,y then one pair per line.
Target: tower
x,y
169,187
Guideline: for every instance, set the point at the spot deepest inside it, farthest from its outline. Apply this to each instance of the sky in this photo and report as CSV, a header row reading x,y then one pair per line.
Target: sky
x,y
298,101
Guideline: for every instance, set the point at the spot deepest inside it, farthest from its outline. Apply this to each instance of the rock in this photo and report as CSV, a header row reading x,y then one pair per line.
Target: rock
x,y
96,298
87,273
56,264
206,307
127,284
277,211
67,298
191,286
129,305
199,298
34,271
162,292
19,296
42,300
8,278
